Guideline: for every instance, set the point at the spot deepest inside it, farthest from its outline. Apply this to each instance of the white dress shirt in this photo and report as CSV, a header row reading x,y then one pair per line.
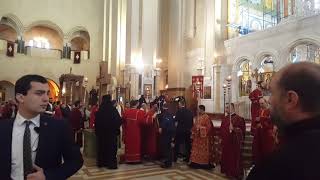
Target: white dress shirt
x,y
17,144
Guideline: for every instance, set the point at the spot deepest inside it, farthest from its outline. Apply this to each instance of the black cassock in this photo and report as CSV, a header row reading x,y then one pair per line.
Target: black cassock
x,y
108,122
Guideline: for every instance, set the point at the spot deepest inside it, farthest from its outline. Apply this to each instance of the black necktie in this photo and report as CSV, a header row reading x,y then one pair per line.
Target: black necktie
x,y
27,158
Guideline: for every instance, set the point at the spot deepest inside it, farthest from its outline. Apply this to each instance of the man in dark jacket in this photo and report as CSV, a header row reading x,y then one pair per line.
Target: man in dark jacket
x,y
184,120
295,110
167,131
108,122
33,145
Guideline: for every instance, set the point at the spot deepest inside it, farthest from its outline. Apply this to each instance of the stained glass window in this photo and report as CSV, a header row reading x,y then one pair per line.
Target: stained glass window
x,y
247,16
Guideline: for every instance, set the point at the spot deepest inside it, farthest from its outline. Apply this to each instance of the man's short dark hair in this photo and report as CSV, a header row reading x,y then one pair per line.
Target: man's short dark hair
x,y
23,85
202,107
182,102
304,79
133,103
77,103
106,98
231,104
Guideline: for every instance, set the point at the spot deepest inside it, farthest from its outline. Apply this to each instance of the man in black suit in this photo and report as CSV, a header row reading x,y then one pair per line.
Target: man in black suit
x,y
34,145
184,120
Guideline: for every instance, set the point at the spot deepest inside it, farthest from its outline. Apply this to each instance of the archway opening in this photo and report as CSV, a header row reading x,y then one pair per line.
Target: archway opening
x,y
54,90
43,37
7,33
305,51
6,91
80,42
244,73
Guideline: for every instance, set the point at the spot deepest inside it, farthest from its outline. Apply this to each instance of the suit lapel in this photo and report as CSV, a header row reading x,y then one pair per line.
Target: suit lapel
x,y
43,134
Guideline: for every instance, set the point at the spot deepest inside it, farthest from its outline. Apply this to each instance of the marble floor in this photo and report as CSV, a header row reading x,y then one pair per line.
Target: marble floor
x,y
145,171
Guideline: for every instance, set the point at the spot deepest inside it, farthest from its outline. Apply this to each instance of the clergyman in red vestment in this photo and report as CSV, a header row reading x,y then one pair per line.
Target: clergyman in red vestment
x,y
57,111
92,121
264,140
132,122
151,133
76,123
201,152
254,97
232,137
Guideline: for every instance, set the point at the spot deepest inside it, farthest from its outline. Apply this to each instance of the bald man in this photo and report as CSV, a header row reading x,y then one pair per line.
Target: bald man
x,y
295,102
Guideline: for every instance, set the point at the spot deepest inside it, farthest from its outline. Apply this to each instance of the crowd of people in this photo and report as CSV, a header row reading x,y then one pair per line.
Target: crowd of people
x,y
167,131
8,109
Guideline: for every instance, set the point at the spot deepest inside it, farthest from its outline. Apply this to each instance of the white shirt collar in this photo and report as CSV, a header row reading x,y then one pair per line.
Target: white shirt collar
x,y
20,120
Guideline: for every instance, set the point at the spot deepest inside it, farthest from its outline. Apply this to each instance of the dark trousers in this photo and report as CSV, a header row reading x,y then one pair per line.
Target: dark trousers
x,y
78,137
107,151
183,138
166,149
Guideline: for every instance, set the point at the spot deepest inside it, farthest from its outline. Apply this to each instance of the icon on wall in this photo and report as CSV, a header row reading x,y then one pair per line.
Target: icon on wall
x,y
10,49
77,57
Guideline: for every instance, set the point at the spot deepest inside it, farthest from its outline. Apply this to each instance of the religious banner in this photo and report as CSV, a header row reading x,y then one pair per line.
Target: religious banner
x,y
197,86
77,57
10,49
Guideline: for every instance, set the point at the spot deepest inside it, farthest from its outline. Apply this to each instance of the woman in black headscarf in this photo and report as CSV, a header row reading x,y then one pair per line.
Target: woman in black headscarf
x,y
108,122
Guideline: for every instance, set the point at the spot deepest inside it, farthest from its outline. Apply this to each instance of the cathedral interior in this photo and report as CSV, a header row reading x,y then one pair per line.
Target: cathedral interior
x,y
208,51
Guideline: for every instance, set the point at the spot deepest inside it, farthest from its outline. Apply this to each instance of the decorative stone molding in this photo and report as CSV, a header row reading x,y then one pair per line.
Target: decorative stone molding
x,y
76,32
14,22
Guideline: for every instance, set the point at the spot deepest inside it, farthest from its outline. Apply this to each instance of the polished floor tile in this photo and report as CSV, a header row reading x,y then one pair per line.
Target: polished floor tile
x,y
145,171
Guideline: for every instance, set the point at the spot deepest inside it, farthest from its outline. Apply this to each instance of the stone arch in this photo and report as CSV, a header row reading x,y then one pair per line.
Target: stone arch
x,y
48,24
284,58
49,34
78,39
6,90
14,22
54,89
240,60
75,32
237,90
260,56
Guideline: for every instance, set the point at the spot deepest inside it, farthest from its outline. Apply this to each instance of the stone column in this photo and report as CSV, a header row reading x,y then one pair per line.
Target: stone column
x,y
20,42
209,37
220,27
106,28
134,83
149,40
133,44
176,59
217,86
113,37
66,51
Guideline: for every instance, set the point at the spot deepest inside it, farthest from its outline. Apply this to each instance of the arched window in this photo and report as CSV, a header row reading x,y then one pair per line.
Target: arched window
x,y
305,52
80,42
41,36
266,72
245,83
